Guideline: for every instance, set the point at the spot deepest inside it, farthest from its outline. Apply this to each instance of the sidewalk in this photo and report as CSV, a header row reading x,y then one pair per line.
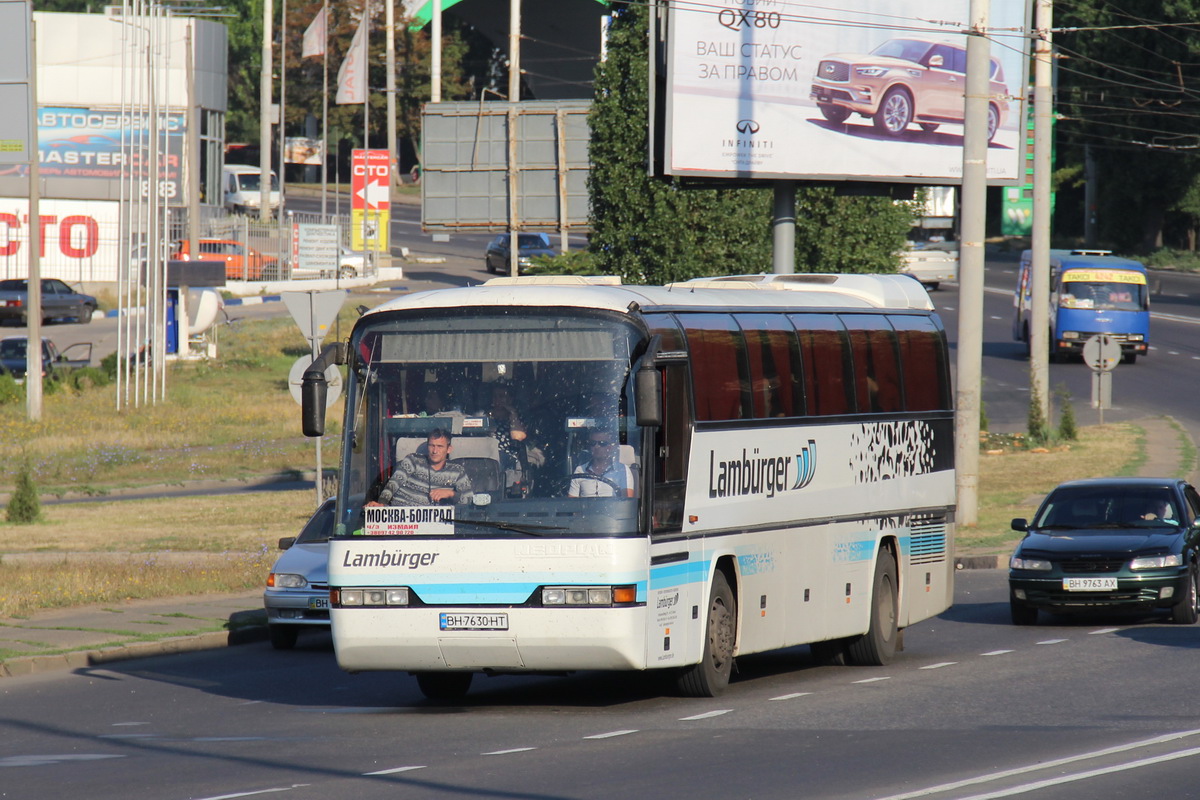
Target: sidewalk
x,y
77,638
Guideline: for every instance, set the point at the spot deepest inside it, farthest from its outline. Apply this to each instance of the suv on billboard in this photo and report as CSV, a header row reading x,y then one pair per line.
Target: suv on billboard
x,y
904,81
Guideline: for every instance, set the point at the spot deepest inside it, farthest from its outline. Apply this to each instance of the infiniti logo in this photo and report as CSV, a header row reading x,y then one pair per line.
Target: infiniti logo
x,y
747,126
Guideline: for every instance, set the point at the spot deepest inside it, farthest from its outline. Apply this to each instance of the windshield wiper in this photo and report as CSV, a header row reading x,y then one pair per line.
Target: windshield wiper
x,y
528,530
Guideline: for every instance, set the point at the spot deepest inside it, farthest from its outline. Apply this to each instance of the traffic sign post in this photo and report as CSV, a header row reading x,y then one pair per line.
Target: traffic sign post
x,y
370,200
314,312
1102,353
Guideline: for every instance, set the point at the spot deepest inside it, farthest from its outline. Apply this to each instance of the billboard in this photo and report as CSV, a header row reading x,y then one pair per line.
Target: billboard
x,y
101,144
870,91
370,200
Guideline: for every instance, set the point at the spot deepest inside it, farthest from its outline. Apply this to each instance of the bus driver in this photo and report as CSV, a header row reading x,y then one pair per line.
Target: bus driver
x,y
422,479
603,475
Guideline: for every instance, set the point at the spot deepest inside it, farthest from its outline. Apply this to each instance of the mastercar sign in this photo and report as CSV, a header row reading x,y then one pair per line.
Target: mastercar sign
x,y
871,90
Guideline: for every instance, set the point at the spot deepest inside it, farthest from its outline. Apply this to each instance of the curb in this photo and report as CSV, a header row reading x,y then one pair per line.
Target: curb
x,y
246,627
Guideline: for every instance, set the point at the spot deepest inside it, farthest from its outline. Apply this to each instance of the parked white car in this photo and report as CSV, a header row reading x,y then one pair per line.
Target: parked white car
x,y
931,262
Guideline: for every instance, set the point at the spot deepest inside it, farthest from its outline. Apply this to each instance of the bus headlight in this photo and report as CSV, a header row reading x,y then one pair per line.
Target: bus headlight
x,y
1135,337
371,597
1070,334
588,595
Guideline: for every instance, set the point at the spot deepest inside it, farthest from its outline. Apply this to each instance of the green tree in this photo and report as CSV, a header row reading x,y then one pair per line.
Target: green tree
x,y
1125,79
652,230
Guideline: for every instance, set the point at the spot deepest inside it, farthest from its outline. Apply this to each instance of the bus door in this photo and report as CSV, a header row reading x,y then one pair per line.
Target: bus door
x,y
677,592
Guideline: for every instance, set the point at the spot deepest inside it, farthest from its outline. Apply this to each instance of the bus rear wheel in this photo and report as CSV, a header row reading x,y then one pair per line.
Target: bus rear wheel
x,y
711,675
444,687
877,647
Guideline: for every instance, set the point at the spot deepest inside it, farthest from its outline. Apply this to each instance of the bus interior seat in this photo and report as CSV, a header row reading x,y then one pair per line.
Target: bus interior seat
x,y
483,472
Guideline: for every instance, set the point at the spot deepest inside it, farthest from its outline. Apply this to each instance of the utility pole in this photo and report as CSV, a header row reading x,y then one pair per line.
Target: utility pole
x,y
389,26
264,114
970,285
1039,277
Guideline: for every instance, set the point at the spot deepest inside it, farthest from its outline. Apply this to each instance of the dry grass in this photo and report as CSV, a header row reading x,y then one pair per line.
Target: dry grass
x,y
88,553
1013,482
233,417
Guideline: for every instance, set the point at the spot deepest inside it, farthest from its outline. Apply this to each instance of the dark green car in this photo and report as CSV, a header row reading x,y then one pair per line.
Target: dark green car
x,y
1109,543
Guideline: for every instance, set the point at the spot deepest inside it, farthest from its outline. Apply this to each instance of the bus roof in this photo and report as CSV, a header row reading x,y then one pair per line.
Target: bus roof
x,y
1093,259
896,292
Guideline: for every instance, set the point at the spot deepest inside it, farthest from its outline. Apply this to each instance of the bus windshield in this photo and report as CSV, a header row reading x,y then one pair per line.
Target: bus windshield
x,y
1105,295
520,424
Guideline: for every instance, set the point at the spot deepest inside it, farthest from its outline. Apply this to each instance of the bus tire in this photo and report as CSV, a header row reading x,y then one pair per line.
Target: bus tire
x,y
444,687
711,675
829,653
877,646
1129,358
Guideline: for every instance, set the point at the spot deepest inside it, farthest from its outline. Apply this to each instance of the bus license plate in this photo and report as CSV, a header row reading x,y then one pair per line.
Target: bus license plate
x,y
1090,584
318,602
473,622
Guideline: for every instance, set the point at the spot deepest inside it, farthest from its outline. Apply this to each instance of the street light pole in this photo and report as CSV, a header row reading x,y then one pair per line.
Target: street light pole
x,y
970,286
264,102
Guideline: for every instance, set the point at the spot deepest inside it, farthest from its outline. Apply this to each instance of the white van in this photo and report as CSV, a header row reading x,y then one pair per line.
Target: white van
x,y
243,190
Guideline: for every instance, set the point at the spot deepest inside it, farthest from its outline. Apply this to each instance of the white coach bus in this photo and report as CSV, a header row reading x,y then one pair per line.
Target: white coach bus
x,y
769,463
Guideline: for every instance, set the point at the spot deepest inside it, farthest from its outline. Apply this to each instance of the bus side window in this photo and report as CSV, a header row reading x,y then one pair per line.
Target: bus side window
x,y
922,348
876,373
718,357
774,358
825,352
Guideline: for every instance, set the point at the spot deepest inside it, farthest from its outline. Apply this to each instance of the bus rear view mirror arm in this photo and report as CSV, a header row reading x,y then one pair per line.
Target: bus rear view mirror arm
x,y
313,388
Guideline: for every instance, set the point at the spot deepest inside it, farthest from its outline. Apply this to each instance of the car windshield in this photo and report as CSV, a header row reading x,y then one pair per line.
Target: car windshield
x,y
250,182
13,348
531,241
1080,508
907,49
319,526
528,401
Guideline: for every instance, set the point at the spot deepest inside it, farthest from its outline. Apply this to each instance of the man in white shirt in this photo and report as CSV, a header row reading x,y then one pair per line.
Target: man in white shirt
x,y
603,475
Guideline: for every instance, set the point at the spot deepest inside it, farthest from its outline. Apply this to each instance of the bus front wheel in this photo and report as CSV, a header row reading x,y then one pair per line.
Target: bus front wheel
x,y
877,647
444,687
711,675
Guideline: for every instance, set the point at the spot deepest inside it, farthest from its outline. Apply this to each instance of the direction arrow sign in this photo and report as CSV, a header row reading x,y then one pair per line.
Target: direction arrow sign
x,y
375,194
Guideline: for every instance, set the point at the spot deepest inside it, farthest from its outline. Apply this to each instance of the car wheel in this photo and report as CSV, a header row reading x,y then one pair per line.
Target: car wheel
x,y
928,127
711,675
89,313
993,122
283,637
895,112
932,286
1021,613
835,114
877,646
1187,610
444,687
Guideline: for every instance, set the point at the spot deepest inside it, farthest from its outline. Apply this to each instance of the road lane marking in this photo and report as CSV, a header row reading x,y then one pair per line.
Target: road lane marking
x,y
1042,765
791,696
940,665
1080,776
506,752
252,794
706,715
1053,641
875,680
995,652
1103,630
609,735
393,771
41,761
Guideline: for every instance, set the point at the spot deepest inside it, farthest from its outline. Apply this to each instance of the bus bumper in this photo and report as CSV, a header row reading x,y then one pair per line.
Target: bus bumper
x,y
537,640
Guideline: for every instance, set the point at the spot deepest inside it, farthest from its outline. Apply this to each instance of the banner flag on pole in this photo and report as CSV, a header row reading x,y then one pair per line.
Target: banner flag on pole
x,y
352,76
314,37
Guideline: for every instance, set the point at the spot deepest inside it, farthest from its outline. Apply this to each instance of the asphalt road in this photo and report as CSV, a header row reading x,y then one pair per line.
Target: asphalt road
x,y
1068,709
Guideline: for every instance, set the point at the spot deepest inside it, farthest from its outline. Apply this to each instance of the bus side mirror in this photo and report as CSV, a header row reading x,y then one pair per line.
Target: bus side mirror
x,y
648,396
314,389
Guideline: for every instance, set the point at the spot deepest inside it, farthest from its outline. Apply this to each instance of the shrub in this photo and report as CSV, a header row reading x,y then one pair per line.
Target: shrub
x,y
86,378
24,507
10,390
1068,431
